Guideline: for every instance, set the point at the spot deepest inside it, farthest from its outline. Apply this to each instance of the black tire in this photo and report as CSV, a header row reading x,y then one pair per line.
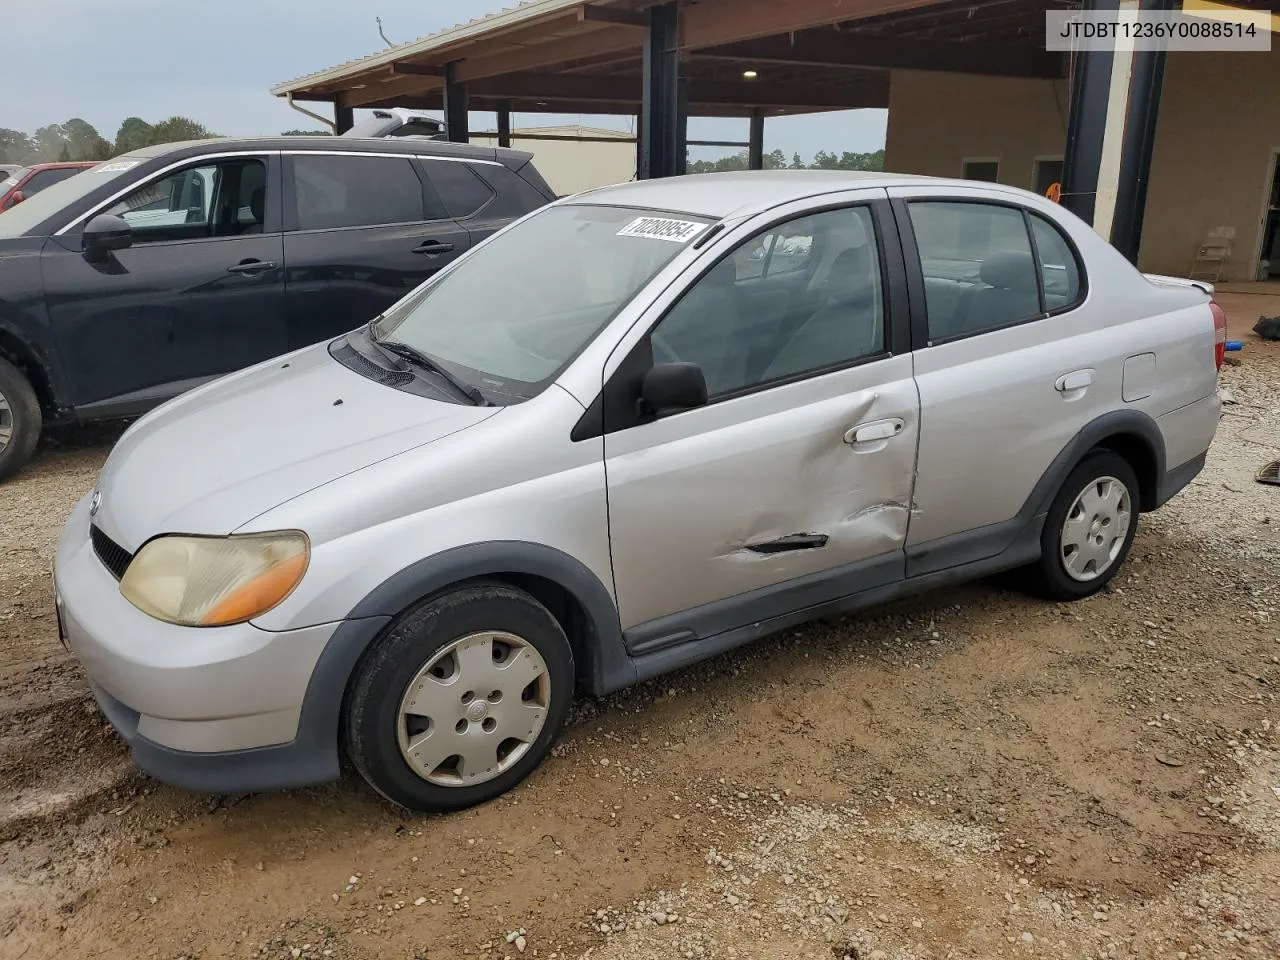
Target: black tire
x,y
21,414
383,675
1048,577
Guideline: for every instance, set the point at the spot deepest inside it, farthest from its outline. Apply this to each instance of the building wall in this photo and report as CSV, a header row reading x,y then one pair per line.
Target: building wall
x,y
937,120
1219,125
572,167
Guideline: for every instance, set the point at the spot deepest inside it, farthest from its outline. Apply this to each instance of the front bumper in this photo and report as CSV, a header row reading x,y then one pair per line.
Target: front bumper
x,y
206,708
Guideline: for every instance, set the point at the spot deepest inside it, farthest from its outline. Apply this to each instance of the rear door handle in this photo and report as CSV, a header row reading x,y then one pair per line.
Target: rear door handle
x,y
251,267
1074,381
433,248
876,432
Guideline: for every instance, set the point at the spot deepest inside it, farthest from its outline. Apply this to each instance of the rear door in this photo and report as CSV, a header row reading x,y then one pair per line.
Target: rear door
x,y
361,231
199,293
1012,359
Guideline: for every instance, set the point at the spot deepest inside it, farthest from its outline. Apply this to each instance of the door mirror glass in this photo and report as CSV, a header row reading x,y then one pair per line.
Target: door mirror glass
x,y
672,387
104,233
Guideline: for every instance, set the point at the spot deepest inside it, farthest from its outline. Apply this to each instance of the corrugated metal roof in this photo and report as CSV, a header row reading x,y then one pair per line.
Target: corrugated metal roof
x,y
510,16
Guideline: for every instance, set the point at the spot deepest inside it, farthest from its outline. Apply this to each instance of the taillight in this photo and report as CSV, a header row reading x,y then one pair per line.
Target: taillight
x,y
1219,333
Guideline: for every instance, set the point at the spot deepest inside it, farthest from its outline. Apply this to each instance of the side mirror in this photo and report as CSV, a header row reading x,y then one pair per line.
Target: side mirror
x,y
105,233
16,198
672,387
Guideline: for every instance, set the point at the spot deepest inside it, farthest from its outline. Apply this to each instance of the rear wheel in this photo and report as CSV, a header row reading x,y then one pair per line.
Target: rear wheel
x,y
460,699
1089,529
19,419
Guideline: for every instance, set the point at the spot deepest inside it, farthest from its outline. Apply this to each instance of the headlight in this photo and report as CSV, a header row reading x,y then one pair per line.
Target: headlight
x,y
214,581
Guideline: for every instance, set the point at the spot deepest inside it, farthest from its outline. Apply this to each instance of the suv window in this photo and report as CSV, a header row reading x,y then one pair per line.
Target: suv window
x,y
771,254
515,197
354,191
744,330
461,189
979,273
47,178
223,199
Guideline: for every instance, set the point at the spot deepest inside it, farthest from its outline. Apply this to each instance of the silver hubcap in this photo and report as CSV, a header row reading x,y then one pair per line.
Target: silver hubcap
x,y
474,709
6,423
1095,529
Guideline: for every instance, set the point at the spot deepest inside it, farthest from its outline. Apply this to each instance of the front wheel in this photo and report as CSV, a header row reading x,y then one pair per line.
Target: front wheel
x,y
460,699
1089,528
19,419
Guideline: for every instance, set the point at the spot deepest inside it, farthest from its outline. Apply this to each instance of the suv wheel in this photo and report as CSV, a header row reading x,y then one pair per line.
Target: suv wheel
x,y
19,419
1089,528
460,699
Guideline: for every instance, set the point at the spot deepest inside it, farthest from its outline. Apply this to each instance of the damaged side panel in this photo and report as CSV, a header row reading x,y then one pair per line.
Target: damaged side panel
x,y
756,490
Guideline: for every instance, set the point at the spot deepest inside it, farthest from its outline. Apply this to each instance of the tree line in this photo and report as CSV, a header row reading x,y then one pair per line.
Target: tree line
x,y
77,139
777,160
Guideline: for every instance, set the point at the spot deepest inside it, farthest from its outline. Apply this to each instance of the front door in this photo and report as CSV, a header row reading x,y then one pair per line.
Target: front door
x,y
792,485
199,293
361,232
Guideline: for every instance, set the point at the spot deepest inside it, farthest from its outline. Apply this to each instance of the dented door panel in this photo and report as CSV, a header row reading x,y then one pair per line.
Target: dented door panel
x,y
749,492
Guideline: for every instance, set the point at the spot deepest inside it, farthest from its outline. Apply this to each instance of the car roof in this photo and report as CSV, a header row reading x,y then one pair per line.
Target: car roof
x,y
722,195
407,145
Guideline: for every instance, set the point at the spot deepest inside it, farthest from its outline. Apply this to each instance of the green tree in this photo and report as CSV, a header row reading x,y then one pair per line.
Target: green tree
x,y
179,128
133,134
83,141
777,160
797,163
48,143
15,146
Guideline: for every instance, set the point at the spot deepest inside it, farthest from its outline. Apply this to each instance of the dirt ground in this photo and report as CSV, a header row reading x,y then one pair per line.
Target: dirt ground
x,y
971,774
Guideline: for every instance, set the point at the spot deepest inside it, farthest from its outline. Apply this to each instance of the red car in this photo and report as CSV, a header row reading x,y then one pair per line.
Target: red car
x,y
33,179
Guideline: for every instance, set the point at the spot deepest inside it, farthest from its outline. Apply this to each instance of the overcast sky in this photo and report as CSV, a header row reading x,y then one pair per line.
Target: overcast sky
x,y
157,58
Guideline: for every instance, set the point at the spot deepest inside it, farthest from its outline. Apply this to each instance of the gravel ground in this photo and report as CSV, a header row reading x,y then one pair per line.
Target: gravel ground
x,y
971,774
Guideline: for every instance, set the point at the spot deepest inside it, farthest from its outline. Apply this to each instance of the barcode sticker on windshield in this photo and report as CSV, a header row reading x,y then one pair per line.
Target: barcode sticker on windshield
x,y
662,228
116,166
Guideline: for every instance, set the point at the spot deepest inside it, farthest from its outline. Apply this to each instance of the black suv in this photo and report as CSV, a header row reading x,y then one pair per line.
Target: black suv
x,y
154,272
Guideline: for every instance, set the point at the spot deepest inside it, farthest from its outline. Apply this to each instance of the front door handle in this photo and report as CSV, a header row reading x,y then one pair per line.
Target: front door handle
x,y
433,248
876,432
251,267
1074,381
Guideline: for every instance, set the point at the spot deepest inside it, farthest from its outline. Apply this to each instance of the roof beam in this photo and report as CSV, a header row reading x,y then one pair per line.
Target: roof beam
x,y
376,91
872,92
714,22
588,13
589,43
416,70
848,49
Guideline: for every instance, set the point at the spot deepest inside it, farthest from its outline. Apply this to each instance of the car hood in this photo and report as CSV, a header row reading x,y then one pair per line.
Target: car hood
x,y
213,459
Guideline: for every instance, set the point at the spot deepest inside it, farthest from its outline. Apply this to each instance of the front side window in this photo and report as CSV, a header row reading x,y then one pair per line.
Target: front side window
x,y
354,191
218,199
979,272
509,317
821,307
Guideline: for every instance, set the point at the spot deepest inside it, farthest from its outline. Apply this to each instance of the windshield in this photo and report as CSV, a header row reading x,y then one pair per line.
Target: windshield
x,y
34,210
509,318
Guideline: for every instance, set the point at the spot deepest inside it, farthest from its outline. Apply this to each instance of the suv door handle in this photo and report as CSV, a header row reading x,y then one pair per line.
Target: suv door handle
x,y
876,432
432,248
1074,381
251,267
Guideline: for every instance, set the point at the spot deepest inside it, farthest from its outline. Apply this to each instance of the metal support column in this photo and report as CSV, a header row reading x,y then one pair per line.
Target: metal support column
x,y
662,114
504,123
755,146
1115,99
344,118
456,106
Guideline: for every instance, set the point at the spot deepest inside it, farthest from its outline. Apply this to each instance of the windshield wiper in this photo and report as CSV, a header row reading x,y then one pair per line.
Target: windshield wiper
x,y
420,359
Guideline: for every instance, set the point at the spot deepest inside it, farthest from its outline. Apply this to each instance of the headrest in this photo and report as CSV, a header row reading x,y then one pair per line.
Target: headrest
x,y
1009,270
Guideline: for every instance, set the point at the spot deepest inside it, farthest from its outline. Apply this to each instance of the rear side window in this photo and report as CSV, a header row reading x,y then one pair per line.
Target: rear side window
x,y
353,191
47,178
460,188
1058,268
978,265
514,198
